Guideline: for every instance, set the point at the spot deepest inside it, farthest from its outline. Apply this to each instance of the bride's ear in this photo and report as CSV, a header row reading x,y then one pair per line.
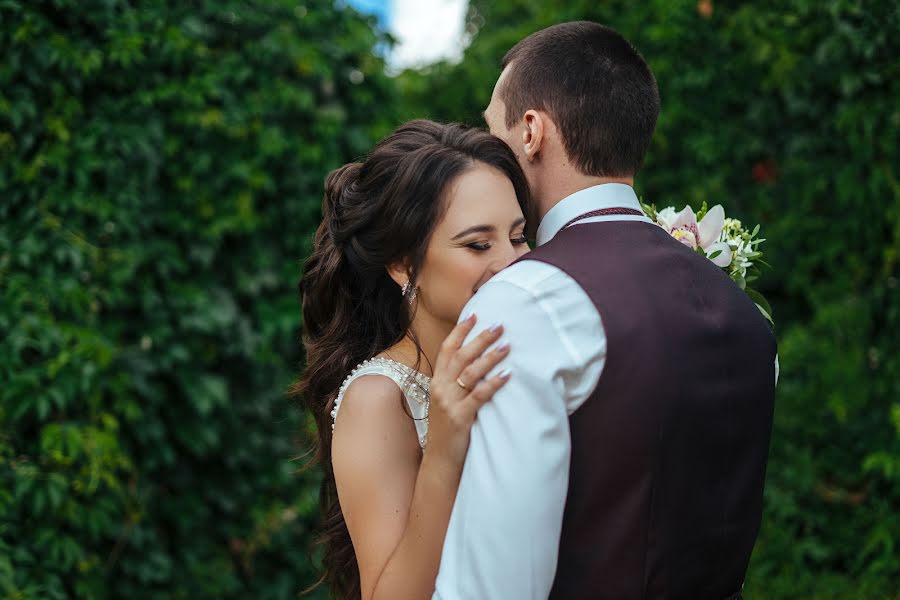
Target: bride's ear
x,y
533,134
399,272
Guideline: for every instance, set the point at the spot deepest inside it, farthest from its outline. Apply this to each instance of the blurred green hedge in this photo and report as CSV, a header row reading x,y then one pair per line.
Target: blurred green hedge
x,y
161,168
788,114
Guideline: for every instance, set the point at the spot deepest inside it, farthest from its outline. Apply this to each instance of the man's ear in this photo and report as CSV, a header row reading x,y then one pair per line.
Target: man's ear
x,y
534,133
399,272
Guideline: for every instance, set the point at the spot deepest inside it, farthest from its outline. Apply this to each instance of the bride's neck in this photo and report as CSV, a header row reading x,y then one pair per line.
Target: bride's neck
x,y
429,333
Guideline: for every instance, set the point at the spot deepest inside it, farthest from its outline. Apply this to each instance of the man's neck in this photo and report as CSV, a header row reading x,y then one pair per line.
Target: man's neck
x,y
563,185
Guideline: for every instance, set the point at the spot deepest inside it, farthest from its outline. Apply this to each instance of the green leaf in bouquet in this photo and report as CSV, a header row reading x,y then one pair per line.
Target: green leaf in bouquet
x,y
755,231
714,254
649,209
702,212
761,302
766,315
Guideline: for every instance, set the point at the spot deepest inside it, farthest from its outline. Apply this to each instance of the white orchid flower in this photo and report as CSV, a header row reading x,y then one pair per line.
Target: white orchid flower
x,y
705,234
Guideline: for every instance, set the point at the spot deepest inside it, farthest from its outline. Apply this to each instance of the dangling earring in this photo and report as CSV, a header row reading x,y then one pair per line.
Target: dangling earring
x,y
409,292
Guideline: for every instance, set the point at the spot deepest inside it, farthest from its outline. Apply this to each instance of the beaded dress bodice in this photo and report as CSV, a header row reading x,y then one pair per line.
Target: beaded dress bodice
x,y
413,384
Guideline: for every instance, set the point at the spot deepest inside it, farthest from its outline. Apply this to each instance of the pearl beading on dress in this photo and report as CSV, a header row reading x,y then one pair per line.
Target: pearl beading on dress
x,y
414,385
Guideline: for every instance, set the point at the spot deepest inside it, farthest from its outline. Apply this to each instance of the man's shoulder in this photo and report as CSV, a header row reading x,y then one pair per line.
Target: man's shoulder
x,y
532,290
531,275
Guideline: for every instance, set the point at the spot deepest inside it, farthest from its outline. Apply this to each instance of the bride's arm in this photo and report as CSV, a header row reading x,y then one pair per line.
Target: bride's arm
x,y
376,459
396,507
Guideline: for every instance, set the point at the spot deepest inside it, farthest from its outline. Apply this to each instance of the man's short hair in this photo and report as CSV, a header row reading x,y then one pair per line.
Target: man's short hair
x,y
595,86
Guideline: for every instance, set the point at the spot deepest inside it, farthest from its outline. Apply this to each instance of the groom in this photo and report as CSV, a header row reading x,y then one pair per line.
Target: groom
x,y
625,459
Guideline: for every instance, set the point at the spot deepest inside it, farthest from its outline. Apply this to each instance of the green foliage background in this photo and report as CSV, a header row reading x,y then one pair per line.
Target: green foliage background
x,y
161,166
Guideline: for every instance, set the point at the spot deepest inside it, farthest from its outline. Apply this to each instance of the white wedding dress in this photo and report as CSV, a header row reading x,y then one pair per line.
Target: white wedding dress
x,y
413,384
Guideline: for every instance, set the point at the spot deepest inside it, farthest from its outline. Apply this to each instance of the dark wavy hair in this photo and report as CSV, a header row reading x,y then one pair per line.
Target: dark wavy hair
x,y
375,213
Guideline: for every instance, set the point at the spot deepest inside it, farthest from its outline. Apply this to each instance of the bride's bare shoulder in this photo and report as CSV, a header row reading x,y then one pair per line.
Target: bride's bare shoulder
x,y
372,418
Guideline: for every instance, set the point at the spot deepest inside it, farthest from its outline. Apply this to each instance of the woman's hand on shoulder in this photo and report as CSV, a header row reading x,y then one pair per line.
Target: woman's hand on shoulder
x,y
460,387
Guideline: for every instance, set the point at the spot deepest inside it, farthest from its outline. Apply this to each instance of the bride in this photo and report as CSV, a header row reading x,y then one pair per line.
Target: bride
x,y
407,237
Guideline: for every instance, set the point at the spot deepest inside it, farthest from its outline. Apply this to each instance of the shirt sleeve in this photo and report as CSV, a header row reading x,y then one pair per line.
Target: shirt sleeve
x,y
503,538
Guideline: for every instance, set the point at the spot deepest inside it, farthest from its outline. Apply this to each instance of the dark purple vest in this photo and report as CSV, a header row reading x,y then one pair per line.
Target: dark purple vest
x,y
669,452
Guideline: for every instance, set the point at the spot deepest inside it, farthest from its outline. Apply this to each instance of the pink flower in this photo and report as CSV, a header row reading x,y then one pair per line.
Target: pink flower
x,y
684,227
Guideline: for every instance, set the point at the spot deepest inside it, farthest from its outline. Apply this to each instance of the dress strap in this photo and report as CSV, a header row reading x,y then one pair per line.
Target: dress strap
x,y
412,384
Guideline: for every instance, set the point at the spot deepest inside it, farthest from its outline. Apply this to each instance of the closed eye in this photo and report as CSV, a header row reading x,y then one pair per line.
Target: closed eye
x,y
479,247
485,246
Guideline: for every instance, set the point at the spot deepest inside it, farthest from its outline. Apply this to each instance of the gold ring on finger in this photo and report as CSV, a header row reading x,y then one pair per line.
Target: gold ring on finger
x,y
460,383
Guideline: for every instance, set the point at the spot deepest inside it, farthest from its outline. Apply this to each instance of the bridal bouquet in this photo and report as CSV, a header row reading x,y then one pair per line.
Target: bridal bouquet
x,y
726,242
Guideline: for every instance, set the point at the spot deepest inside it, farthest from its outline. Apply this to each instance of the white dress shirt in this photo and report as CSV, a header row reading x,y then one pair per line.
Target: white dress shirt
x,y
503,538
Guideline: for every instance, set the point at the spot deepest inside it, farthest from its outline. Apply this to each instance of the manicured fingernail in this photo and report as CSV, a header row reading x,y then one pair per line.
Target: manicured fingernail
x,y
505,374
471,319
496,327
504,347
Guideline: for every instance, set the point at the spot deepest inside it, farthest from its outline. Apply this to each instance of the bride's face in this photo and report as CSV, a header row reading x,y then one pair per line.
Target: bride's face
x,y
482,232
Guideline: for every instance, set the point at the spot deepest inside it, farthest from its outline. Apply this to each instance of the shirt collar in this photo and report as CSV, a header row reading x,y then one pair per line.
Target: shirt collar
x,y
605,195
